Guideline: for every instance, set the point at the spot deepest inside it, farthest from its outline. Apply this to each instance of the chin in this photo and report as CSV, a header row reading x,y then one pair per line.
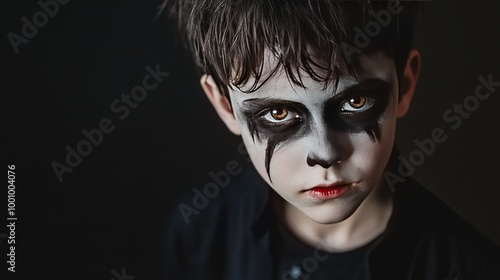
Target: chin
x,y
328,214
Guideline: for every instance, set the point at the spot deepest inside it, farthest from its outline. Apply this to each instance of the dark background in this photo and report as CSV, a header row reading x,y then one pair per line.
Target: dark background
x,y
109,213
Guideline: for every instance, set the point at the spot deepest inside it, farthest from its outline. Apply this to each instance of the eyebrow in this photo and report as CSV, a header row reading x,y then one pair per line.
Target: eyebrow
x,y
255,104
363,86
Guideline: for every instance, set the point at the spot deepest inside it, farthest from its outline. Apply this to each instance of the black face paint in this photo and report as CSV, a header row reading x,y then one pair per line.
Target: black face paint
x,y
374,92
277,134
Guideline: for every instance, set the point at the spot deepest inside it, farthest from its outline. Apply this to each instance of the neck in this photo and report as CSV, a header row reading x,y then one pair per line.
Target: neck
x,y
364,225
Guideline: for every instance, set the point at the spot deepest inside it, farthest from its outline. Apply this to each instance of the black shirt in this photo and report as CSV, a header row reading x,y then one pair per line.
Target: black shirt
x,y
236,236
295,260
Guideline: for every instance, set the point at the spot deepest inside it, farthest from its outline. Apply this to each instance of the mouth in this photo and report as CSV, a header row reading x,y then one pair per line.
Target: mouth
x,y
334,190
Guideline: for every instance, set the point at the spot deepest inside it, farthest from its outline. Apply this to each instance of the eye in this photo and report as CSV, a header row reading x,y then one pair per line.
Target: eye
x,y
356,104
280,115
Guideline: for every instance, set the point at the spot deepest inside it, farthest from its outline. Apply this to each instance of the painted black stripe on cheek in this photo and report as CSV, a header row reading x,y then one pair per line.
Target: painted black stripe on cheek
x,y
282,139
271,146
373,132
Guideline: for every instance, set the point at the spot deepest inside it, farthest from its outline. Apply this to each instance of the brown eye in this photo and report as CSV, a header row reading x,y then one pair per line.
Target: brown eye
x,y
279,114
357,102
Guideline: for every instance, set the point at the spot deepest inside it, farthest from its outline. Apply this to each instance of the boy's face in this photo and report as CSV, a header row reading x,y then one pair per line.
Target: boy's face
x,y
322,151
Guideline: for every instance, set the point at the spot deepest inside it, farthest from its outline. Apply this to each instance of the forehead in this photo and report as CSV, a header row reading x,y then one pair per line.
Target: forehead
x,y
375,66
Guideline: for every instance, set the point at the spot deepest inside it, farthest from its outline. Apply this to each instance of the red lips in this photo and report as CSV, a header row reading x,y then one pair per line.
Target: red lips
x,y
329,191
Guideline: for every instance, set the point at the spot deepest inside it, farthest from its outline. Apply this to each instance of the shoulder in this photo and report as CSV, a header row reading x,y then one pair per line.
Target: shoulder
x,y
210,224
429,237
427,212
224,197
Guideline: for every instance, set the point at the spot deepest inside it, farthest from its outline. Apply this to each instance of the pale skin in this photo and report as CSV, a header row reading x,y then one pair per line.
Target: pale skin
x,y
322,154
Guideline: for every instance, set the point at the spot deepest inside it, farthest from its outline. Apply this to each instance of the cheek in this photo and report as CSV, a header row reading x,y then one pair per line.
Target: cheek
x,y
371,157
289,159
289,171
286,159
256,151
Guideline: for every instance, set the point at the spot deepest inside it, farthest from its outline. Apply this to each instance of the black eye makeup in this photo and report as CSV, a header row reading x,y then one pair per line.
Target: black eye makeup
x,y
267,117
279,121
355,109
357,104
359,108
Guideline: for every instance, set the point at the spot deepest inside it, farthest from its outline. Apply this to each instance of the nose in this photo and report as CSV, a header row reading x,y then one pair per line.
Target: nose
x,y
323,162
328,148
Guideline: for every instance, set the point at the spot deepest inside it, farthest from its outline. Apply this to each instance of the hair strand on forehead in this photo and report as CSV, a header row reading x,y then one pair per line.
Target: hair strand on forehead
x,y
232,40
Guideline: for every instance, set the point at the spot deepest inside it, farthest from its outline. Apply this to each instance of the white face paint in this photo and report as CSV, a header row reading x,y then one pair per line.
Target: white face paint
x,y
320,138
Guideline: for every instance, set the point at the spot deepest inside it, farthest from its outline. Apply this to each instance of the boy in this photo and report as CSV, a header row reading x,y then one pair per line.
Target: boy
x,y
314,88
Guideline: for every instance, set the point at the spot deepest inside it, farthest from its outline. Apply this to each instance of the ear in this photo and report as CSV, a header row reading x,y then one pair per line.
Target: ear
x,y
408,82
220,103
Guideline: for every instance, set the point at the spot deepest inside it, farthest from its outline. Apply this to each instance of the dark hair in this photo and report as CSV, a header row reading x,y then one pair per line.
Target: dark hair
x,y
228,38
